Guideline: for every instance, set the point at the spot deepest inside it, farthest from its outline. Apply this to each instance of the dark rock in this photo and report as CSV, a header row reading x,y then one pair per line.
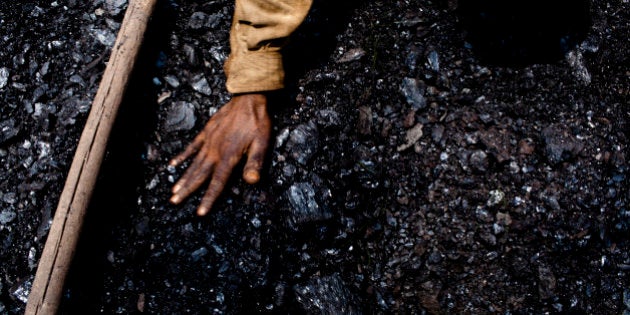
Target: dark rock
x,y
4,77
181,116
477,219
327,295
433,61
364,124
6,216
526,146
560,144
413,91
200,84
8,130
303,142
328,118
437,133
352,55
479,161
197,20
498,143
307,205
546,282
114,7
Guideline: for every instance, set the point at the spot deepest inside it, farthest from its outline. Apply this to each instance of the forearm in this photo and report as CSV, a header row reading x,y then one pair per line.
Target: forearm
x,y
259,31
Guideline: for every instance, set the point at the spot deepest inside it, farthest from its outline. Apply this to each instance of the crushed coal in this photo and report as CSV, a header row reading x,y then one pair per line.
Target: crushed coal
x,y
426,157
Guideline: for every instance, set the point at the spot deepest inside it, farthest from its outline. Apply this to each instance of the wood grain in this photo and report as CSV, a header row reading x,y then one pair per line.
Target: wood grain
x,y
66,227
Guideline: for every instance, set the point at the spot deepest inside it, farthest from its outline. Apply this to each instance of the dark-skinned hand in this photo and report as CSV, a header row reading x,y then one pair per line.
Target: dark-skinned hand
x,y
241,127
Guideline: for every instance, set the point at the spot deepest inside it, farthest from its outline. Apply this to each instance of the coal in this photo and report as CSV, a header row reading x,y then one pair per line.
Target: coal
x,y
509,193
303,142
8,130
307,205
326,295
181,116
4,77
413,91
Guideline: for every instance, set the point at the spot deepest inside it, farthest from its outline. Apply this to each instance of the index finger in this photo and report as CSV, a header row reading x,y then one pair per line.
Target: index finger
x,y
192,148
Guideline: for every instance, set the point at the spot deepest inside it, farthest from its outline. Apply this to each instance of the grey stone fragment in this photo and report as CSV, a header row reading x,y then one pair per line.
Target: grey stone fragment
x,y
8,130
576,60
143,225
22,290
7,216
105,37
303,142
413,90
172,81
352,55
214,20
560,145
328,118
197,20
77,79
114,7
71,109
433,61
4,77
304,205
201,85
191,55
199,253
326,295
479,161
181,116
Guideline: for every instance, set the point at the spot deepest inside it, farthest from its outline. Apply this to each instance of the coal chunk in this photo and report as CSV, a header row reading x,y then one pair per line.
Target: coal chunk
x,y
181,116
560,145
413,91
303,142
8,130
4,77
326,295
307,205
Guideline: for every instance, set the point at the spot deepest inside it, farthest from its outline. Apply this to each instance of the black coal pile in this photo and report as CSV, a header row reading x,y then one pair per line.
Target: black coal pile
x,y
416,165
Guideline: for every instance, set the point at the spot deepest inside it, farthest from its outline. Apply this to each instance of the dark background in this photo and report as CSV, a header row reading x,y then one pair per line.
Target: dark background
x,y
514,198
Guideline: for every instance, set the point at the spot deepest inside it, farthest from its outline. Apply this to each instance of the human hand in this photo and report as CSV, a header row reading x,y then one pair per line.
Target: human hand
x,y
241,127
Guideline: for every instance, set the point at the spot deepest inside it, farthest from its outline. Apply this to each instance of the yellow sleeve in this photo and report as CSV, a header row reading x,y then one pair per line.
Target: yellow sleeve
x,y
259,30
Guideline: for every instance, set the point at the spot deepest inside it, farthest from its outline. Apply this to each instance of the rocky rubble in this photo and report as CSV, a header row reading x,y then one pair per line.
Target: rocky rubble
x,y
411,169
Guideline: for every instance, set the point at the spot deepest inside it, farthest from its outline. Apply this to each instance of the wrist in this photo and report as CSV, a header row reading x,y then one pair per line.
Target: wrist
x,y
257,100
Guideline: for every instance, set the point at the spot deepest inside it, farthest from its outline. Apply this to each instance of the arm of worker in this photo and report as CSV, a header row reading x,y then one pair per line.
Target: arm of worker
x,y
242,126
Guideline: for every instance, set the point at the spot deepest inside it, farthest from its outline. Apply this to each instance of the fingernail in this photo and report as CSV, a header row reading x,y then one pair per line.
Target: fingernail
x,y
173,163
202,211
176,188
252,177
176,199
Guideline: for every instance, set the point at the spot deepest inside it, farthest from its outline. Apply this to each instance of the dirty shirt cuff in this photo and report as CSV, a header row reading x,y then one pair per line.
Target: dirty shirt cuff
x,y
250,71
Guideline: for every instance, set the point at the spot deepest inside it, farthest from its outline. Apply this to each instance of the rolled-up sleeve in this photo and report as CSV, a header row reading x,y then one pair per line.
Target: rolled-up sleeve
x,y
259,31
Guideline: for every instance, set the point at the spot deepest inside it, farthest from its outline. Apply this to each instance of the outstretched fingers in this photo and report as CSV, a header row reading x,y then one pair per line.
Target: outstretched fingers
x,y
194,176
217,183
191,149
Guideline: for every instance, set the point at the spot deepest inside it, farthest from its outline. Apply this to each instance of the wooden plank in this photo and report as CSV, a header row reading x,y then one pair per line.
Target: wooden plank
x,y
64,232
